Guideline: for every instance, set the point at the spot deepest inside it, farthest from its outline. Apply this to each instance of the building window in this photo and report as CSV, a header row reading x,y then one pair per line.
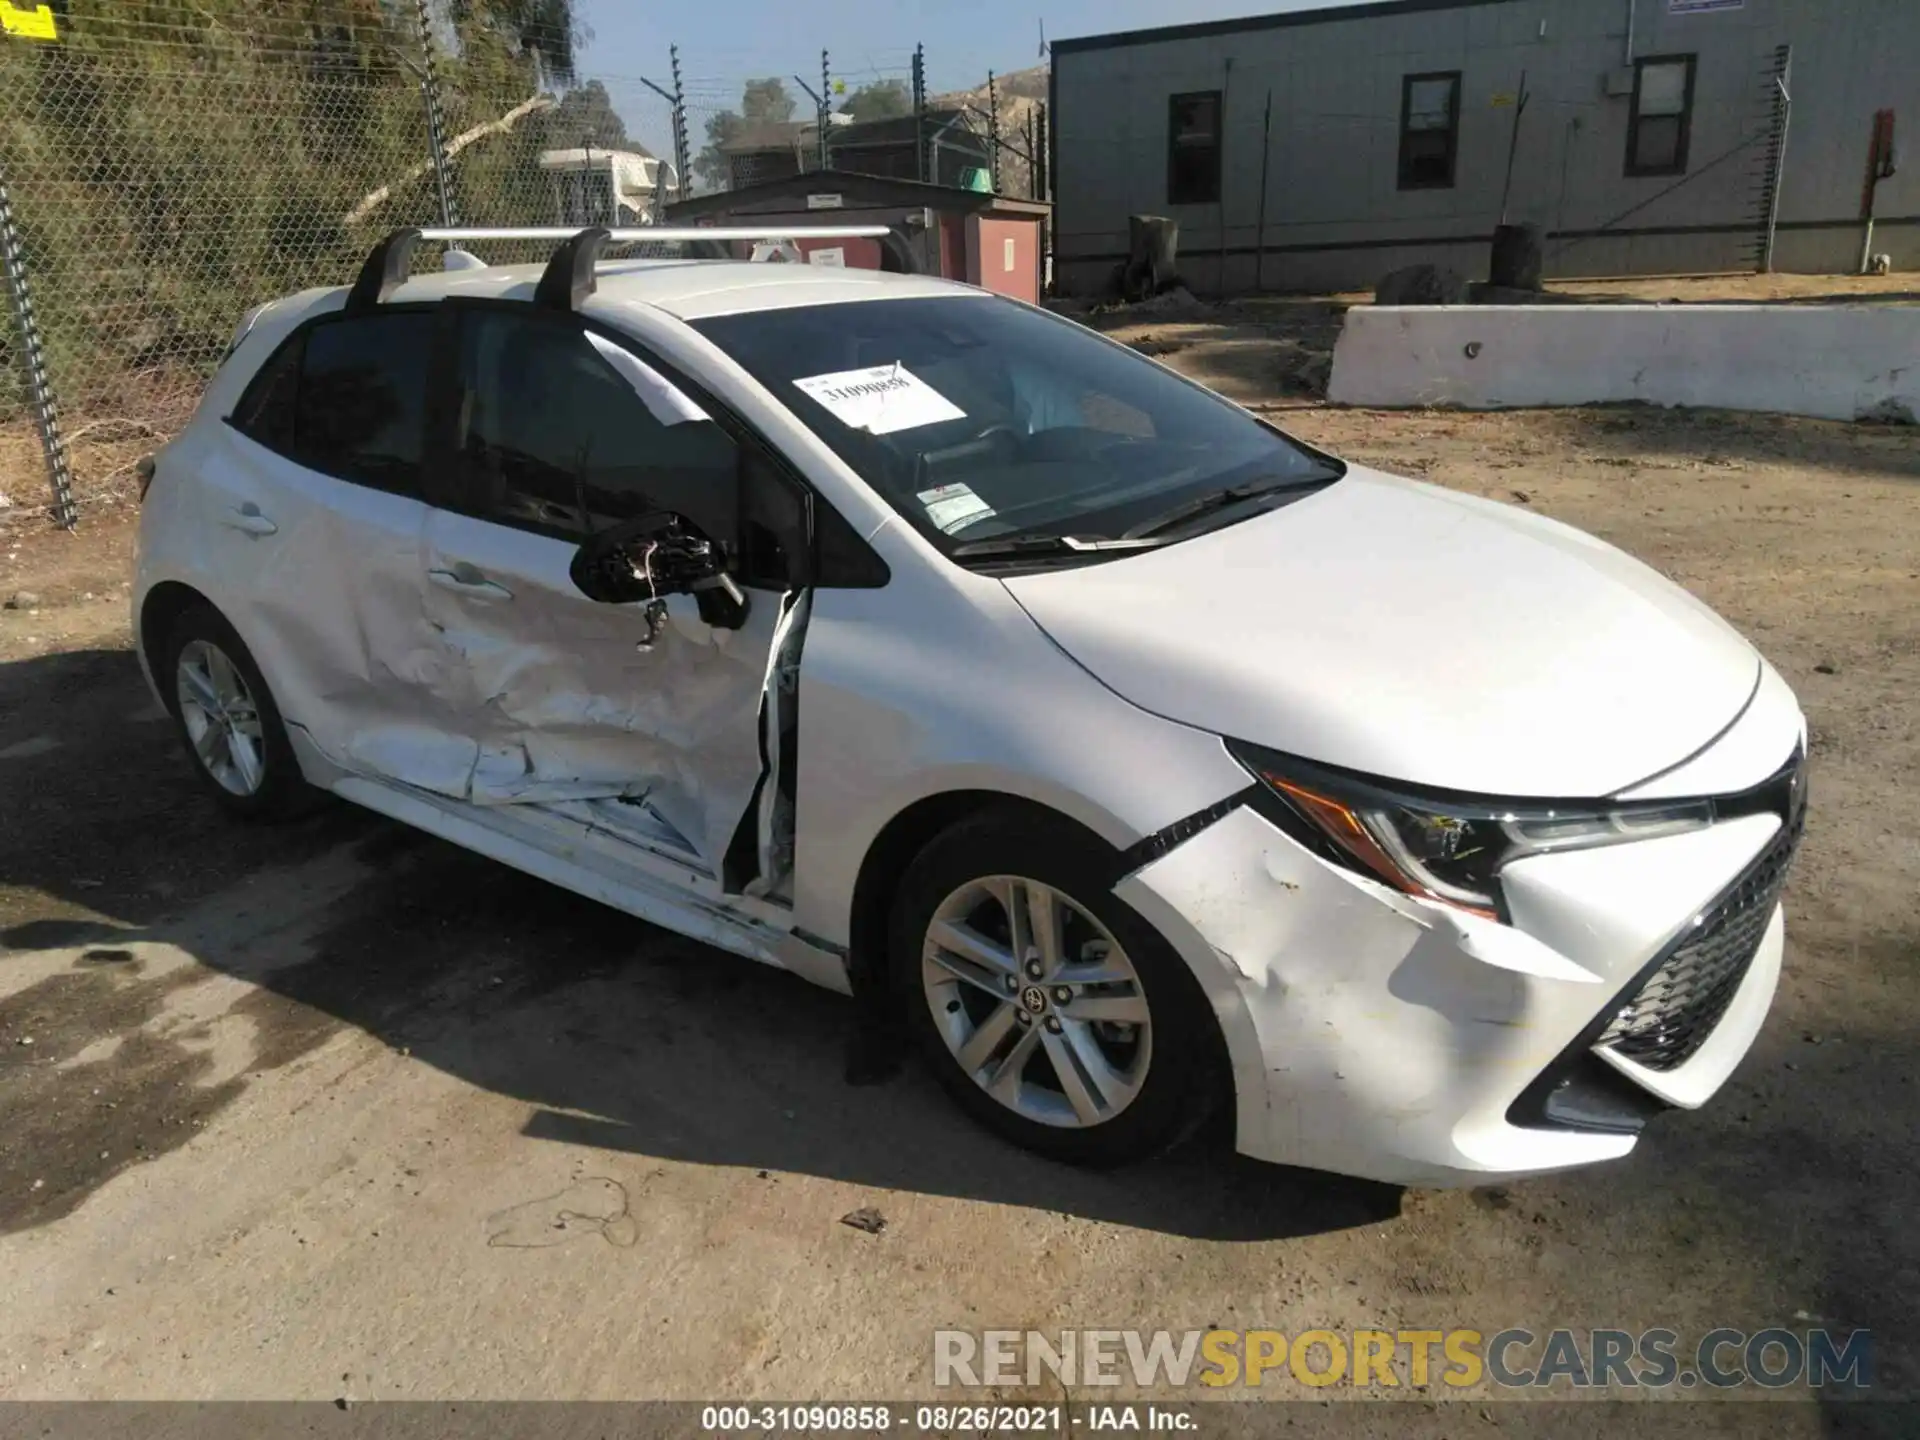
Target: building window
x,y
1662,118
1193,149
1429,130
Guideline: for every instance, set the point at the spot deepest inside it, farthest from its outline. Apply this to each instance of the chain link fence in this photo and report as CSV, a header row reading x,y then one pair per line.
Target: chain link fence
x,y
166,165
172,163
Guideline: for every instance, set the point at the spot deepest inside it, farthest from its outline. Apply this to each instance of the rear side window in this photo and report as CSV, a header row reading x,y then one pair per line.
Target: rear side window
x,y
265,411
348,398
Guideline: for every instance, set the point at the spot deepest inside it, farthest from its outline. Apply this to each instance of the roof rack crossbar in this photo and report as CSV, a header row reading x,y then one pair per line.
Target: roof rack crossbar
x,y
569,278
664,234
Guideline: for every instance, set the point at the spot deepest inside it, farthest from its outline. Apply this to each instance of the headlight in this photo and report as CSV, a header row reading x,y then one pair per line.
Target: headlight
x,y
1445,847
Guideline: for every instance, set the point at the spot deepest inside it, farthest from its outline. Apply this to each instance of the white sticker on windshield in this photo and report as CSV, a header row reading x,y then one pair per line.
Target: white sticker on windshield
x,y
881,400
953,507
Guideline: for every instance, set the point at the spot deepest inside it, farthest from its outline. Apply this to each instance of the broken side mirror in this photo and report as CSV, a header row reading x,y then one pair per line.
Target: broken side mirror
x,y
643,560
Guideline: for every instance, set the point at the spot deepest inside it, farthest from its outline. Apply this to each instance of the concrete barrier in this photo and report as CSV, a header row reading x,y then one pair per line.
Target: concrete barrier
x,y
1837,362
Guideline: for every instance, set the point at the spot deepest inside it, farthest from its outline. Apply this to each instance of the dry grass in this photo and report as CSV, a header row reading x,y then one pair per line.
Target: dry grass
x,y
104,445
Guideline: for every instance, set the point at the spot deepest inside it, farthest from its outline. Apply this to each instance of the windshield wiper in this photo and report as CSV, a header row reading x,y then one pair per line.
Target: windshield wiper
x,y
1218,500
1015,545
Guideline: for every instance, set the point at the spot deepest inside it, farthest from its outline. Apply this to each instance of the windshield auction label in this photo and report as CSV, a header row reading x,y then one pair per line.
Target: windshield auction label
x,y
881,399
952,507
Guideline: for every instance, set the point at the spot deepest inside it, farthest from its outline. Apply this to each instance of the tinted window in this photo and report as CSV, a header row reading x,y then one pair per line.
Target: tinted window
x,y
265,411
553,418
1429,130
1193,148
361,409
976,417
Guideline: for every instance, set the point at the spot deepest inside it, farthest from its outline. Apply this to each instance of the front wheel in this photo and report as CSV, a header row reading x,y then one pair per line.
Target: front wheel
x,y
1051,1011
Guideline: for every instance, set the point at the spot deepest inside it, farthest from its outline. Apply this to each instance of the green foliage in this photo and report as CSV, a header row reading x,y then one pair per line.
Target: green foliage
x,y
763,101
173,162
585,116
882,100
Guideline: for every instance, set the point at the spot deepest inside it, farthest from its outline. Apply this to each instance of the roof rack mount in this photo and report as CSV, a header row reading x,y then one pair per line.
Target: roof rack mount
x,y
569,279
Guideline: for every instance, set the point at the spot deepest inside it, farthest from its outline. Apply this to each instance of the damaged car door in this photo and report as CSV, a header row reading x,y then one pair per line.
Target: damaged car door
x,y
640,720
315,515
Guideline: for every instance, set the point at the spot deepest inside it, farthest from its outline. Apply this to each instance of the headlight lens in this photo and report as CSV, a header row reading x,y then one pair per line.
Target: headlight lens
x,y
1447,848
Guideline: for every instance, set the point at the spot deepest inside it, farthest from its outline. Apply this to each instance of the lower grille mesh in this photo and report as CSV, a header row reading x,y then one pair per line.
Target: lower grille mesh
x,y
1672,1014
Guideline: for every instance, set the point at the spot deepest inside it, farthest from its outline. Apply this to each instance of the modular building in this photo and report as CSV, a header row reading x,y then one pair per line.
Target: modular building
x,y
1320,149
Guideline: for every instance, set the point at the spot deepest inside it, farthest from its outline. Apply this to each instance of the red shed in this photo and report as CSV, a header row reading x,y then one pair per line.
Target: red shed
x,y
986,240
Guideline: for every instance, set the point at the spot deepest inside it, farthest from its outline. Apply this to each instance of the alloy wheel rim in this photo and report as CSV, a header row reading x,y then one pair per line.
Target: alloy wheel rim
x,y
222,720
1037,1002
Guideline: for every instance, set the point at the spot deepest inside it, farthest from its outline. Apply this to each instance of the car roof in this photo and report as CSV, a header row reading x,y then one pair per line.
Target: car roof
x,y
689,289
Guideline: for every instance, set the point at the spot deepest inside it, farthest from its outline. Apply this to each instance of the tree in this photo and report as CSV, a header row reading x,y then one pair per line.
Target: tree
x,y
546,27
762,102
882,100
585,116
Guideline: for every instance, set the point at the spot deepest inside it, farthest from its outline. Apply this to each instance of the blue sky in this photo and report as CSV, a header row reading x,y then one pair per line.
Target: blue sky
x,y
722,42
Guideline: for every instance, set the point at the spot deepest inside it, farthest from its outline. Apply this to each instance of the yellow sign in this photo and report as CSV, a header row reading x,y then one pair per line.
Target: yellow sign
x,y
34,24
1502,99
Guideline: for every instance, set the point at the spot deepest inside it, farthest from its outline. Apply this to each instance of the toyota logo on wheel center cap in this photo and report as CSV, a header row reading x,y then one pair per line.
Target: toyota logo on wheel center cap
x,y
1034,1000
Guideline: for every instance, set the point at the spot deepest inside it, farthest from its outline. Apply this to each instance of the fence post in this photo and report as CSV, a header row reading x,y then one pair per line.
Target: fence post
x,y
46,413
436,130
681,162
826,109
1783,117
920,112
993,124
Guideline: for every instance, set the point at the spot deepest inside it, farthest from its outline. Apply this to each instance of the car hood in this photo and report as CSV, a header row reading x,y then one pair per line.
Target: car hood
x,y
1412,633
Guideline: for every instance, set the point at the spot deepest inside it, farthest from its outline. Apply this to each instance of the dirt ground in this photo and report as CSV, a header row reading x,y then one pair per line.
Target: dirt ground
x,y
339,1111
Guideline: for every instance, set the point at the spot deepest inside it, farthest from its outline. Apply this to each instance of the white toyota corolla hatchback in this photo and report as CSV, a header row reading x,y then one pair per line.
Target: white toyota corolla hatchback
x,y
1130,756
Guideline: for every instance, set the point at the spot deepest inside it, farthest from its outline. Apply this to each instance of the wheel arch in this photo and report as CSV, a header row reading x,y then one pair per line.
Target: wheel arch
x,y
895,847
160,610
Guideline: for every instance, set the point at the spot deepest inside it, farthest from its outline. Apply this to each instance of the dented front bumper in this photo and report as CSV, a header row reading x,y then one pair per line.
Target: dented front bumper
x,y
1377,1035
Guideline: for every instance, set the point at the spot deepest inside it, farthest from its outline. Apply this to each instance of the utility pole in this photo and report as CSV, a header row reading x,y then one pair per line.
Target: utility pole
x,y
920,112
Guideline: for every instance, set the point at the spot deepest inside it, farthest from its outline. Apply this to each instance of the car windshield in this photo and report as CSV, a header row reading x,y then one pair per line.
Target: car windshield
x,y
979,420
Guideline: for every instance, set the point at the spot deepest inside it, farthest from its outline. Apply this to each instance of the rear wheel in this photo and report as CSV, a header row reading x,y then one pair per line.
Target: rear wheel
x,y
1053,1013
228,721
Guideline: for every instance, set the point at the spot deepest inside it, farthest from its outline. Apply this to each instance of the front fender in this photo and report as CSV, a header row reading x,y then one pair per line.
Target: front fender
x,y
887,721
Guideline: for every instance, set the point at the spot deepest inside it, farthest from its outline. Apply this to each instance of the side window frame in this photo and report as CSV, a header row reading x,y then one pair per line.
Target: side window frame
x,y
818,553
287,448
1407,82
1683,141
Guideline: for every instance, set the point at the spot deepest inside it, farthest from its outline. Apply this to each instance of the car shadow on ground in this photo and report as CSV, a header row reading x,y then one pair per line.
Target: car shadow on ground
x,y
619,1035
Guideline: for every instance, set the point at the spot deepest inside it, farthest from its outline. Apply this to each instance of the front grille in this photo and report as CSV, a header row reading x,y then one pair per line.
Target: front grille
x,y
1672,1014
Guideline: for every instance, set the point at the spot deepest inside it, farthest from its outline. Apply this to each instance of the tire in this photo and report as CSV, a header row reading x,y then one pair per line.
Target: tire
x,y
1146,1061
271,787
